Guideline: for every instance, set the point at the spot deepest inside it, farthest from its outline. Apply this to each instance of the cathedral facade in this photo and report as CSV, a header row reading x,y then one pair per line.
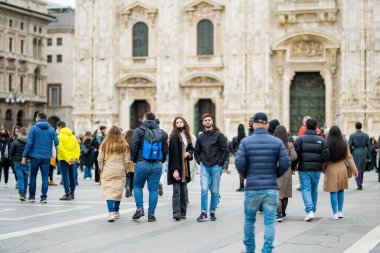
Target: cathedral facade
x,y
230,58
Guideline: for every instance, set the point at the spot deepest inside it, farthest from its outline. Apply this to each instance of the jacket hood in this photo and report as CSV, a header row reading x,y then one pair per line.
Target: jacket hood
x,y
66,131
150,124
215,129
43,124
22,138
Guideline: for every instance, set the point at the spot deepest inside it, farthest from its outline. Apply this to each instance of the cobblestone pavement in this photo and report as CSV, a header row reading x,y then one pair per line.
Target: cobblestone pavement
x,y
81,226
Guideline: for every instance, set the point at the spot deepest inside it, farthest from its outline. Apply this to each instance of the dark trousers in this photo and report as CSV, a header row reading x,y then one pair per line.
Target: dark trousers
x,y
68,177
359,179
179,198
51,170
97,174
4,166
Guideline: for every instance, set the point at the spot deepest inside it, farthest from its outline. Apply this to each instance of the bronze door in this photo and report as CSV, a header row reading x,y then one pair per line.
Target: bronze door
x,y
307,98
138,109
203,106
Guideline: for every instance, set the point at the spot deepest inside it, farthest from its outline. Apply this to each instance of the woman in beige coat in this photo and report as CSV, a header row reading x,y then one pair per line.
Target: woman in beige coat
x,y
336,171
114,164
284,182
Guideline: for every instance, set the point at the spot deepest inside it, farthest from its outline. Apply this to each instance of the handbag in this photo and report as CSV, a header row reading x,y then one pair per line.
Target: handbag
x,y
349,172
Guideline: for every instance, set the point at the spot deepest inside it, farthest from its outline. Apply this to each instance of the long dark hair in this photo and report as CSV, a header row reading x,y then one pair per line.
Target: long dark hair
x,y
175,130
337,144
128,136
241,133
282,134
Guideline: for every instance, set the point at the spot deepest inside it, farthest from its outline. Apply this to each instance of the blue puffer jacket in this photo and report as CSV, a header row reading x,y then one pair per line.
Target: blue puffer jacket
x,y
40,141
261,159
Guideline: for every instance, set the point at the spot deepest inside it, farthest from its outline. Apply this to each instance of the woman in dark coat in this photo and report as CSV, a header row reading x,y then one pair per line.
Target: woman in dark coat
x,y
87,156
5,161
234,147
95,144
180,154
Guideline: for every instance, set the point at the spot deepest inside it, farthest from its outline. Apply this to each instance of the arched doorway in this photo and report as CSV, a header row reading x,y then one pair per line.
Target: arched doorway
x,y
307,98
53,120
137,111
20,118
8,124
203,106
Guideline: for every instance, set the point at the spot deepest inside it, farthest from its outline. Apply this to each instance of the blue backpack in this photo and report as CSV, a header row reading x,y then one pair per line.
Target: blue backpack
x,y
152,145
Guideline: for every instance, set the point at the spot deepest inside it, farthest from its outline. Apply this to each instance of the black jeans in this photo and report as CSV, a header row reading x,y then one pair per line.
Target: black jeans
x,y
179,198
51,170
4,166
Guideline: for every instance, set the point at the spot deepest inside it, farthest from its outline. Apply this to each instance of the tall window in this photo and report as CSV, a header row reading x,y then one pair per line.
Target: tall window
x,y
10,83
49,41
140,40
49,58
10,23
35,48
205,38
59,58
54,94
36,80
22,25
22,47
59,41
10,44
21,84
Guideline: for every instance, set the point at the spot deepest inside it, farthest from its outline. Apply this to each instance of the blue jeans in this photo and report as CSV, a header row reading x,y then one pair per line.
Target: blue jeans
x,y
309,189
22,172
87,172
337,199
68,177
147,172
76,172
268,199
210,179
43,165
113,205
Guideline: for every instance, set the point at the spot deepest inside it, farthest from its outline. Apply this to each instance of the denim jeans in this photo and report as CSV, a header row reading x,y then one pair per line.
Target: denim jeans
x,y
87,172
68,177
268,199
337,199
309,189
76,172
43,165
210,179
149,172
113,205
22,172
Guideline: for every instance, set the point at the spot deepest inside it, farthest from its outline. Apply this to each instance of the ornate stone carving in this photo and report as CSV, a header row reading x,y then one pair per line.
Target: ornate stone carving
x,y
203,8
136,82
142,92
202,81
138,11
307,48
291,12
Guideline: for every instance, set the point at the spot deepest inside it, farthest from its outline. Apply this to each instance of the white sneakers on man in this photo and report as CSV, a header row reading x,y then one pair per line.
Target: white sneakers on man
x,y
335,216
117,215
340,215
310,216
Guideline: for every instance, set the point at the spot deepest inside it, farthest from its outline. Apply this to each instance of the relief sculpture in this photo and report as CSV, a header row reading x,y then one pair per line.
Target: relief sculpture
x,y
307,49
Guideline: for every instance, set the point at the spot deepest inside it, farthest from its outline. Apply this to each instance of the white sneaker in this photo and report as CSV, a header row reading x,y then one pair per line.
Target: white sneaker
x,y
310,216
340,215
335,216
6,186
117,215
111,217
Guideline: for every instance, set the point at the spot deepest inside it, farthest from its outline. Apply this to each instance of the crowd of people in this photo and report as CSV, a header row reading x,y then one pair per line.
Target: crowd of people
x,y
266,159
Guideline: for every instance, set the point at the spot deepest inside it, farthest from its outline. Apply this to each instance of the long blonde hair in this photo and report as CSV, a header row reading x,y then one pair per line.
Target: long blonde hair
x,y
114,142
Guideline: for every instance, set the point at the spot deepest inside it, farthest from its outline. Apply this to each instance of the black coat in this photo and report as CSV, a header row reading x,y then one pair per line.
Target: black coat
x,y
87,159
95,146
211,148
175,159
4,142
16,150
312,152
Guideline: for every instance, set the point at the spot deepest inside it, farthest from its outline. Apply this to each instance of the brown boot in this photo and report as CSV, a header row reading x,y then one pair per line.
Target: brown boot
x,y
52,183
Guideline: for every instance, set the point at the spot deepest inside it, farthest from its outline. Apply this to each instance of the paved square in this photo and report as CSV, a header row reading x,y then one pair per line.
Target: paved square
x,y
80,225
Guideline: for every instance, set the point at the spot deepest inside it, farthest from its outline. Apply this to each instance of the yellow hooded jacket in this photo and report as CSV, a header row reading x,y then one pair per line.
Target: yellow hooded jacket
x,y
68,147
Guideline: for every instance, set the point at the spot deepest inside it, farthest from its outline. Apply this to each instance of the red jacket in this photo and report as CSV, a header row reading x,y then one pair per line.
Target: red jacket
x,y
303,129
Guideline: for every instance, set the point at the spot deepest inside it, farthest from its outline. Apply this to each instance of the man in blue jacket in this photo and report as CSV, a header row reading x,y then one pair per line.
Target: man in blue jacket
x,y
39,149
261,159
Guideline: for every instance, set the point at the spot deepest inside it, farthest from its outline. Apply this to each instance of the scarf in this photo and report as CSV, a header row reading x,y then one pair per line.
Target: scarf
x,y
185,173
